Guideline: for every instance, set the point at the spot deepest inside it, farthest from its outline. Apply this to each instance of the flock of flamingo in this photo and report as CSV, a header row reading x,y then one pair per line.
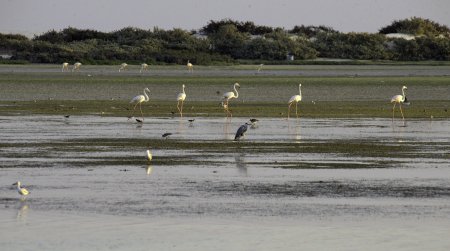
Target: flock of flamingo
x,y
181,97
138,100
227,96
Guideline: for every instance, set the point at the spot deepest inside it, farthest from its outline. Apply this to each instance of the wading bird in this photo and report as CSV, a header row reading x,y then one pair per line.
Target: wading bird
x,y
76,66
295,99
65,66
123,66
190,66
21,190
138,100
144,67
149,155
180,100
241,131
230,95
399,99
260,67
254,123
166,135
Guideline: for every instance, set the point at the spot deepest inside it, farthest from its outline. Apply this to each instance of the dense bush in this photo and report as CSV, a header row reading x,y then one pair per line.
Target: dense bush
x,y
226,41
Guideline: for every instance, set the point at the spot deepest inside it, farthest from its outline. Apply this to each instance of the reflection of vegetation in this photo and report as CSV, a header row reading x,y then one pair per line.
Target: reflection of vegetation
x,y
226,41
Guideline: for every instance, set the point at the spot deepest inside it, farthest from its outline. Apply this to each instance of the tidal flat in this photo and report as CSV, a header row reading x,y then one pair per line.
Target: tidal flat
x,y
343,176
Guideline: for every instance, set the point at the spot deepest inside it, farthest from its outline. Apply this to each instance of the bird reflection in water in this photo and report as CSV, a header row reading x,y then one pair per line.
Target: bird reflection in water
x,y
295,130
23,210
149,170
239,158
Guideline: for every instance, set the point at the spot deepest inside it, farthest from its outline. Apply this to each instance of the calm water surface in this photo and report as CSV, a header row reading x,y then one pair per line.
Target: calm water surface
x,y
236,200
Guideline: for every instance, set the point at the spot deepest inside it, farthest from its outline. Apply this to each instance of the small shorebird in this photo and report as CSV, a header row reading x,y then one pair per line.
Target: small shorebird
x,y
21,190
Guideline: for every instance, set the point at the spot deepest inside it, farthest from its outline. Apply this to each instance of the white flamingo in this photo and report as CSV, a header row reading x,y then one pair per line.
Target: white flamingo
x,y
65,66
260,67
180,100
138,100
295,99
76,66
399,99
230,95
144,67
190,66
123,66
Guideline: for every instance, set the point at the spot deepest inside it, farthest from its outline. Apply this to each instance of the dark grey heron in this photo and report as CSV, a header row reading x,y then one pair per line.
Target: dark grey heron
x,y
241,131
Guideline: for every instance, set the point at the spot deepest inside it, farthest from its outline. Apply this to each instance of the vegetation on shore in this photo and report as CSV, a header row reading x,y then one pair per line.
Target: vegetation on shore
x,y
231,42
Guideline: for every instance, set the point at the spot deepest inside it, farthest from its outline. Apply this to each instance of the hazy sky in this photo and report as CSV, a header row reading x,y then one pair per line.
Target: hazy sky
x,y
31,17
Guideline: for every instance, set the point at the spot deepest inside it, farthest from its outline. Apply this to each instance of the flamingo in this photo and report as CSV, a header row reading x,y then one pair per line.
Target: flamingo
x,y
123,66
180,99
399,99
76,66
21,190
260,67
190,66
65,66
138,100
144,66
230,95
296,99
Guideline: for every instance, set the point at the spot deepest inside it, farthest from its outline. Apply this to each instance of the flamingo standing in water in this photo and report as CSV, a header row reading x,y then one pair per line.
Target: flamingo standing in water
x,y
65,66
138,100
180,100
399,99
190,66
123,66
295,99
230,95
76,66
144,67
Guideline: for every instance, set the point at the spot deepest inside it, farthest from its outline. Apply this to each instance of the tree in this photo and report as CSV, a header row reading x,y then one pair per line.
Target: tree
x,y
417,26
228,40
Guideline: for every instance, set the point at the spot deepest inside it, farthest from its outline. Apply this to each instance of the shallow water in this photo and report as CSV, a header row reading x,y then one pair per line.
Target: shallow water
x,y
238,200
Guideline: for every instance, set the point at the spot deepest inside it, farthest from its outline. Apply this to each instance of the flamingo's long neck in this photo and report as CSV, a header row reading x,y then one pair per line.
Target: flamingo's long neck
x,y
183,90
300,90
237,94
145,94
404,95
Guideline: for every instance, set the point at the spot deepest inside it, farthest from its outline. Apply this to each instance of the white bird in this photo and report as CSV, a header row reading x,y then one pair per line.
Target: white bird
x,y
230,95
190,66
22,190
241,131
149,155
123,66
144,66
260,67
295,99
180,100
138,100
399,99
65,66
76,66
